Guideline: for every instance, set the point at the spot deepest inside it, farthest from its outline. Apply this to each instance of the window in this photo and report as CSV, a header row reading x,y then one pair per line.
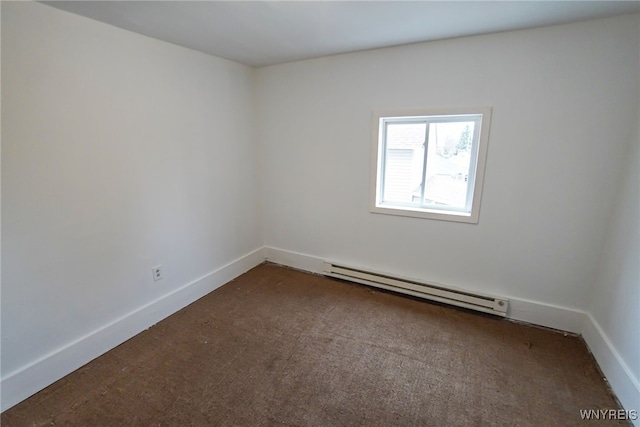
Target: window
x,y
430,164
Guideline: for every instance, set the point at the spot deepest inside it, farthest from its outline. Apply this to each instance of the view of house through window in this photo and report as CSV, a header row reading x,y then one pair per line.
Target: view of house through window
x,y
429,164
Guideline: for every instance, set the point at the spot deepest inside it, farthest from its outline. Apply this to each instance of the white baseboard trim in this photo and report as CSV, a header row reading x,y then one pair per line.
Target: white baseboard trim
x,y
33,377
623,382
548,315
551,316
297,260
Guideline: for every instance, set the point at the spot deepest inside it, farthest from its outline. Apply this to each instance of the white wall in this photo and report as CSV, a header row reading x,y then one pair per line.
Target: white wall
x,y
554,156
612,330
120,152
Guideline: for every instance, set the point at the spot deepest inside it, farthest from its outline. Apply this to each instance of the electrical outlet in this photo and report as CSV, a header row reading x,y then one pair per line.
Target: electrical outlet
x,y
157,273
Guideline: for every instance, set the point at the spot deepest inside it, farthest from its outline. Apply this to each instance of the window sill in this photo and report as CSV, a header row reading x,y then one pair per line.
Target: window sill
x,y
441,215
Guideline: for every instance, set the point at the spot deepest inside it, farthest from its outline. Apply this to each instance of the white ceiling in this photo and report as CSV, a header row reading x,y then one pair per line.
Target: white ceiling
x,y
259,33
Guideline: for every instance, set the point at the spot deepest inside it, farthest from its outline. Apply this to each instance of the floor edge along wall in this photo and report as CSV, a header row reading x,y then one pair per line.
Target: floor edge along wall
x,y
38,374
622,381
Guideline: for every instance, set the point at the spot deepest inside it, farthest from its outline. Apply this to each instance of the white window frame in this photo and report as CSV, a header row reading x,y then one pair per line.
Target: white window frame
x,y
476,169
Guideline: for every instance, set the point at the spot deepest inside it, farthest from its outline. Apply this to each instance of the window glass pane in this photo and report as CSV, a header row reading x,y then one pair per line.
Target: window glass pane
x,y
448,162
403,162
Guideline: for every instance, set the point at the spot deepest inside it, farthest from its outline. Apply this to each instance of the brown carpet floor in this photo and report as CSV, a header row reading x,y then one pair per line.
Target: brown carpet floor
x,y
278,346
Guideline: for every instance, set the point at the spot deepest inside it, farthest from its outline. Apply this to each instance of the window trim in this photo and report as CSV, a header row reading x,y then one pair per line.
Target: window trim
x,y
478,167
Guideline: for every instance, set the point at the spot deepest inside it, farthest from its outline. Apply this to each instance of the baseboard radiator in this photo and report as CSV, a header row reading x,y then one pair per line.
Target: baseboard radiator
x,y
440,293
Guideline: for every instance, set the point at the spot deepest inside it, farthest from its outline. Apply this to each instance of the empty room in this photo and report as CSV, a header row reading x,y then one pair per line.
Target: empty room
x,y
320,213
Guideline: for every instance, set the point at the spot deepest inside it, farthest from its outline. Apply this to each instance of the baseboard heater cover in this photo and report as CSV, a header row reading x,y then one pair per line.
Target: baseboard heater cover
x,y
458,297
